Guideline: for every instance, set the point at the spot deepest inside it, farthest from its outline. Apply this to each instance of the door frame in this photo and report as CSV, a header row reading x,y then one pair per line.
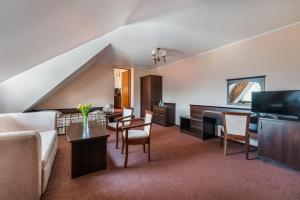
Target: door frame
x,y
129,84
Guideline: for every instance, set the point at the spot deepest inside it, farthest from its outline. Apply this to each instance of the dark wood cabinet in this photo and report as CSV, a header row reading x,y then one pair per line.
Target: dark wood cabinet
x,y
164,115
117,101
189,126
279,140
151,92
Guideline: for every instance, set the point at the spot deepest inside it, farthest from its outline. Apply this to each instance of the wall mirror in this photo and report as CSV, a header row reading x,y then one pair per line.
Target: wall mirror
x,y
239,90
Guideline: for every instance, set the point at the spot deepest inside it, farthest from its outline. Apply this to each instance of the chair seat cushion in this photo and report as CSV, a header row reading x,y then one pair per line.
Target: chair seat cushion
x,y
112,124
48,139
253,142
136,134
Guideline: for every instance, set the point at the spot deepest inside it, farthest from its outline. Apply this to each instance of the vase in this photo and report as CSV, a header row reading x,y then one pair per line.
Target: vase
x,y
85,121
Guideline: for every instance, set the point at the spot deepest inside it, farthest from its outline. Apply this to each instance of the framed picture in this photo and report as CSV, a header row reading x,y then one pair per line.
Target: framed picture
x,y
239,90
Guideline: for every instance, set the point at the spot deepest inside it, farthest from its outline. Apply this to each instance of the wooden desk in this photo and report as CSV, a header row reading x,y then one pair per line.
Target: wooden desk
x,y
88,148
202,120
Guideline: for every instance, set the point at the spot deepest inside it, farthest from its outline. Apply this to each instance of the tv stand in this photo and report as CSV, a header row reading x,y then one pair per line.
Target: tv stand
x,y
279,140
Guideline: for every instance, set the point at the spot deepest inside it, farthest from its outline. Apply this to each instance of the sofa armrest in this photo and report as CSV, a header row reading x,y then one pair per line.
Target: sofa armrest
x,y
20,165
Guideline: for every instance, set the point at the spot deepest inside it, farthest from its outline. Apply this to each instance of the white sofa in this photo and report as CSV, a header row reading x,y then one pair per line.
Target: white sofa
x,y
28,144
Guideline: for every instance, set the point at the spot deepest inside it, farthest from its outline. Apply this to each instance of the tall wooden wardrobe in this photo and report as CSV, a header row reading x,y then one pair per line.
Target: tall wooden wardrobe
x,y
151,92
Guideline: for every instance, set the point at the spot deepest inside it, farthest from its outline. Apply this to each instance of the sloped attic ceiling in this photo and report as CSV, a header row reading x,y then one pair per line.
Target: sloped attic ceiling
x,y
22,91
33,31
188,27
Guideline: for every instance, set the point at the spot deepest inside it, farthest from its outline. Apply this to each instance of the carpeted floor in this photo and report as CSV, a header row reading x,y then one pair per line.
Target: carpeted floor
x,y
182,167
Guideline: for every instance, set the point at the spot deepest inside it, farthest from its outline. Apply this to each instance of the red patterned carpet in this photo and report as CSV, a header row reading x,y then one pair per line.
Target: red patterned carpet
x,y
182,167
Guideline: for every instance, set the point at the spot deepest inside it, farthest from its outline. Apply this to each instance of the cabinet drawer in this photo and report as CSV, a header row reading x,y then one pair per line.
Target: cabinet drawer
x,y
160,115
196,125
158,109
160,122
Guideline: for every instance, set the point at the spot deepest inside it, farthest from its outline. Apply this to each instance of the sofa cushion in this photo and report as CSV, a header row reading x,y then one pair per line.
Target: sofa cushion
x,y
46,170
48,139
9,124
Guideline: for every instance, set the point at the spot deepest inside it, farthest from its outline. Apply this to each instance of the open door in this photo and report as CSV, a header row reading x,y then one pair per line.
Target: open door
x,y
125,94
122,92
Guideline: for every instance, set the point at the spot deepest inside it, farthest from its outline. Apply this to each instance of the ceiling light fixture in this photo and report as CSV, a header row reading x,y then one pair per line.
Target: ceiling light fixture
x,y
158,54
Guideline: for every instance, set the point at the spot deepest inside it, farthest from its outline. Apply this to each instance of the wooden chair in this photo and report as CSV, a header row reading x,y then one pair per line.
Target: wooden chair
x,y
116,126
236,128
137,137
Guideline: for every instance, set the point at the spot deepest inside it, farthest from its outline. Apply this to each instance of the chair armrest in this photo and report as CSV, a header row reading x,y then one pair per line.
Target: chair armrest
x,y
135,126
135,119
20,165
113,114
129,120
107,116
121,118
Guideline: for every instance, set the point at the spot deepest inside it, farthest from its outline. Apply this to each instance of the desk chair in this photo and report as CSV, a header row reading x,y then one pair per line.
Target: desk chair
x,y
236,128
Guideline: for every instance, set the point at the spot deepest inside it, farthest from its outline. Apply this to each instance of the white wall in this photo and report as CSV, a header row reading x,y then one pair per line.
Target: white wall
x,y
202,79
97,78
118,77
95,85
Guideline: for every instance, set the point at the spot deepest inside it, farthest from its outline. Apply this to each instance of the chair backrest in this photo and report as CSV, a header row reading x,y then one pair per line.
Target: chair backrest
x,y
148,119
127,112
236,123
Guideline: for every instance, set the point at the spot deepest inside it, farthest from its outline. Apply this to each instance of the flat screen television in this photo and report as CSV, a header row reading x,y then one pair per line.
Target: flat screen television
x,y
277,102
